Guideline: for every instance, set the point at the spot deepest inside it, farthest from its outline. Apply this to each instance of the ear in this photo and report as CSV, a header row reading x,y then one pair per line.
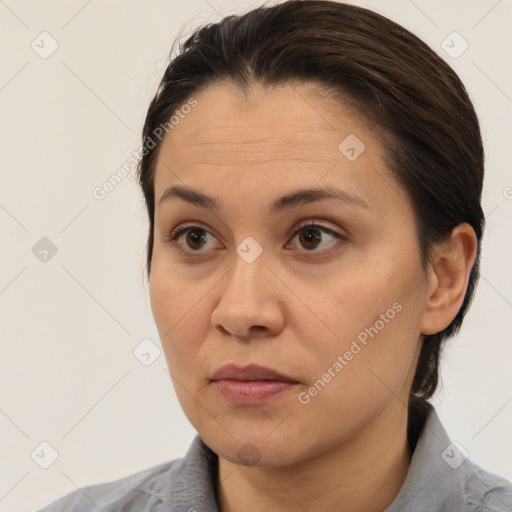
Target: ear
x,y
447,278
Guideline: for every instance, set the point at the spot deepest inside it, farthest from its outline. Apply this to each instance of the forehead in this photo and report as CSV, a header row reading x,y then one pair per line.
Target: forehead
x,y
287,120
286,137
271,121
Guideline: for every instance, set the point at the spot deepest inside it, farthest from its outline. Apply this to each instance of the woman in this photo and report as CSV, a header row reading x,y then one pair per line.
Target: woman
x,y
313,174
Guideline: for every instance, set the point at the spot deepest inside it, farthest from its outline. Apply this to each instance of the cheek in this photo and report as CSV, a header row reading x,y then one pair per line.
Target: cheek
x,y
162,298
370,316
361,373
182,311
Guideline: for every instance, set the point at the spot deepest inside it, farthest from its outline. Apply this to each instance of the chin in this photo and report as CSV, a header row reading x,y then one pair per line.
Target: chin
x,y
251,449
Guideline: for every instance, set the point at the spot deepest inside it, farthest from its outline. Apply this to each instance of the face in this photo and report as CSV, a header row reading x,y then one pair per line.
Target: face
x,y
326,291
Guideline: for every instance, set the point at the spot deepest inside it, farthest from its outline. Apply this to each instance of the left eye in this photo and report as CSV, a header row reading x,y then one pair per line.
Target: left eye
x,y
312,235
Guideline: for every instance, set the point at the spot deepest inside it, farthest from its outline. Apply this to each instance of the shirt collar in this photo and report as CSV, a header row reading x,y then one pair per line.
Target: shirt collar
x,y
430,481
430,478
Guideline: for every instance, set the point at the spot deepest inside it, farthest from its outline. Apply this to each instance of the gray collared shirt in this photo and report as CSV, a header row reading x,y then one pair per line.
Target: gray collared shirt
x,y
440,478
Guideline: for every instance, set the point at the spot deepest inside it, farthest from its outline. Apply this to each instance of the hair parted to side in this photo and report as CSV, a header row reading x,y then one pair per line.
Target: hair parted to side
x,y
433,141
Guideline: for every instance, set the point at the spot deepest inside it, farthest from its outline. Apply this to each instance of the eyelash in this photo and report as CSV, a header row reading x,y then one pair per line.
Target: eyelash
x,y
176,234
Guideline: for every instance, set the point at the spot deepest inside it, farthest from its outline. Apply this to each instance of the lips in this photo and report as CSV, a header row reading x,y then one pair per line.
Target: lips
x,y
250,385
251,372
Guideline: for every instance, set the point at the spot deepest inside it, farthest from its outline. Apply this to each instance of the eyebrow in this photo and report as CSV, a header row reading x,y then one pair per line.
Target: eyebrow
x,y
293,199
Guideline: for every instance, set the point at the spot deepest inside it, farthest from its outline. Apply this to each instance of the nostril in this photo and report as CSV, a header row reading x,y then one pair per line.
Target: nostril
x,y
222,330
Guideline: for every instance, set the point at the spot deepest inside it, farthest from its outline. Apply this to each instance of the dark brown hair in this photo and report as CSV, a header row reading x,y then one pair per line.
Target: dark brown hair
x,y
398,83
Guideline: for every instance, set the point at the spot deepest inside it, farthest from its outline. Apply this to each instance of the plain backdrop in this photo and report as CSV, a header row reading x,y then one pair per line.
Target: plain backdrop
x,y
73,297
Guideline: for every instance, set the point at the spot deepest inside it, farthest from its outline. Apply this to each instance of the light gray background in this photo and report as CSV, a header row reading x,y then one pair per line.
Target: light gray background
x,y
69,326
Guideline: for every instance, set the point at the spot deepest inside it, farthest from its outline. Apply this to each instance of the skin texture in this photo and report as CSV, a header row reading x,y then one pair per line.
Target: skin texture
x,y
300,304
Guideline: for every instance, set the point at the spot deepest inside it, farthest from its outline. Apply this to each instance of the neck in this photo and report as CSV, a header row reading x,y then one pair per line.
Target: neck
x,y
364,474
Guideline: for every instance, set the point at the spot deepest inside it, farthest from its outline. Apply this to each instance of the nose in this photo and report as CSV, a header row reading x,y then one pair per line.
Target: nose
x,y
250,304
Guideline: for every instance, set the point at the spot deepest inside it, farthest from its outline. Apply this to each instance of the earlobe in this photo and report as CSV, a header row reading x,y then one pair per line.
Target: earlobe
x,y
448,277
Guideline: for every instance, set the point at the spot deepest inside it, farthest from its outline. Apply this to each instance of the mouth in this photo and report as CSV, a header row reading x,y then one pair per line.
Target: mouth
x,y
251,385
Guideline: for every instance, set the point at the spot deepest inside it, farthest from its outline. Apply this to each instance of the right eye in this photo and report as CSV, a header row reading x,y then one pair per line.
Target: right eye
x,y
195,236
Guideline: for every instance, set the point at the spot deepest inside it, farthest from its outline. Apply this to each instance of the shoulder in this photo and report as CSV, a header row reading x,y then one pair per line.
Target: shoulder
x,y
483,491
133,491
180,484
442,478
